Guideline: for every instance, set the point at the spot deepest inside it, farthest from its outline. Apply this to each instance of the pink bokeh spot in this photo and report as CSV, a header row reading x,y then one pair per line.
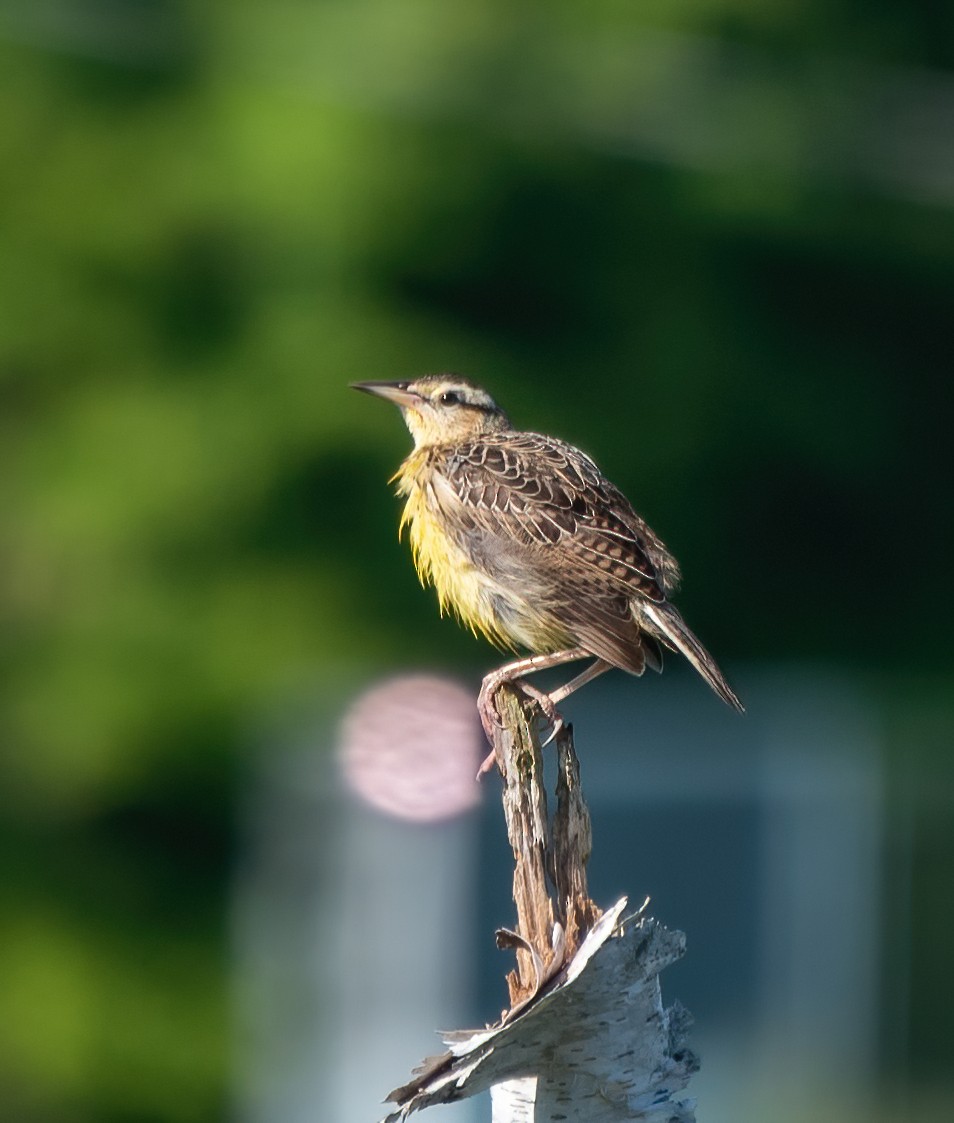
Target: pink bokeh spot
x,y
410,747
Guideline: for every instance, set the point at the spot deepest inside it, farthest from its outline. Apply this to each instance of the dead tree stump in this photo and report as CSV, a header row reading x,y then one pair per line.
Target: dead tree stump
x,y
554,911
586,1036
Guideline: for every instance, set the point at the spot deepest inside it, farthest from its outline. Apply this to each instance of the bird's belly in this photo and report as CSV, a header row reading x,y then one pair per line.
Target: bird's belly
x,y
506,611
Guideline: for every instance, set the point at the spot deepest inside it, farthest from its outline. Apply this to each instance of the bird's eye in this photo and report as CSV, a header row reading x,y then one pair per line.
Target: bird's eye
x,y
450,398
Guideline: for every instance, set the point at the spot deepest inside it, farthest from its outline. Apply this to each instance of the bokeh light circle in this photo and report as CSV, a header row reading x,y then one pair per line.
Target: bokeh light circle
x,y
410,747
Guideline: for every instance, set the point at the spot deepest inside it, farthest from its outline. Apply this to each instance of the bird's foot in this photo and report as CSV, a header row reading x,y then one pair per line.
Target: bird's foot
x,y
487,706
490,717
547,707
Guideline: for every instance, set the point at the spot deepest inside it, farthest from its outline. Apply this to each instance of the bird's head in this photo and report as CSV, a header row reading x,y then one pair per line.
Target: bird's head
x,y
441,409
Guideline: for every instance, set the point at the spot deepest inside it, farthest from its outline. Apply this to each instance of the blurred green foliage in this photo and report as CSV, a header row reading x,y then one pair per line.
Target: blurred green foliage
x,y
711,243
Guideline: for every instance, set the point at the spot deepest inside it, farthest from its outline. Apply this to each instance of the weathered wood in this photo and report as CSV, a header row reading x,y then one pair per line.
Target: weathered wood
x,y
554,911
571,845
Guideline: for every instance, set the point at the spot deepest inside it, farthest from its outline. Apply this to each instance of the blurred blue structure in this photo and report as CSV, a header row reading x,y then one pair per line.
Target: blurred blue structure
x,y
358,936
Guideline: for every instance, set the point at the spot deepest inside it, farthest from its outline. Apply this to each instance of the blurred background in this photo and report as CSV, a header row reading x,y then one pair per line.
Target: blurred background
x,y
713,245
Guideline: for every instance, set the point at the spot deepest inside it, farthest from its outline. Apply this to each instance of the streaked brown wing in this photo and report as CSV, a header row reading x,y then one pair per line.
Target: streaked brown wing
x,y
534,491
603,623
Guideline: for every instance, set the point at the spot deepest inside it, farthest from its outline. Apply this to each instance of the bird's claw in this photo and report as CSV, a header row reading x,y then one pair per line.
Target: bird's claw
x,y
550,713
556,727
486,765
491,720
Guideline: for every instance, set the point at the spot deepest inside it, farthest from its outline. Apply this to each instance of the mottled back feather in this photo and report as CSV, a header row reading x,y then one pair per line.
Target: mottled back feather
x,y
531,509
532,489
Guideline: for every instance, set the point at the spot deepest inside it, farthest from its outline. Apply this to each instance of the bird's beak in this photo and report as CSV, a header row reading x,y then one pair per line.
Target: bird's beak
x,y
396,392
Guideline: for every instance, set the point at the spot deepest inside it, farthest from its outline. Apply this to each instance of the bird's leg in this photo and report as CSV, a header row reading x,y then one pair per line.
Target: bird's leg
x,y
548,702
594,670
510,672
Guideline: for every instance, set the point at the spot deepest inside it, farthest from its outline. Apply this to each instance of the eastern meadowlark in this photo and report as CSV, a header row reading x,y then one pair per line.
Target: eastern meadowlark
x,y
529,544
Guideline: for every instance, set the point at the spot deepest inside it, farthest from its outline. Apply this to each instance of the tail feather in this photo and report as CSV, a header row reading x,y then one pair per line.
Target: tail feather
x,y
666,622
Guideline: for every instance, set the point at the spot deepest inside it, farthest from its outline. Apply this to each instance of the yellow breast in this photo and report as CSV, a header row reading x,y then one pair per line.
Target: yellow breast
x,y
485,605
461,587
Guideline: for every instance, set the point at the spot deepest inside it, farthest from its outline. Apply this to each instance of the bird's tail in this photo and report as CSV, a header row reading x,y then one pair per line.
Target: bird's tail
x,y
669,626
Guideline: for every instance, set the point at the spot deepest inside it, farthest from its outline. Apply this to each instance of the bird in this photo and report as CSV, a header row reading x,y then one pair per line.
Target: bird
x,y
531,546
